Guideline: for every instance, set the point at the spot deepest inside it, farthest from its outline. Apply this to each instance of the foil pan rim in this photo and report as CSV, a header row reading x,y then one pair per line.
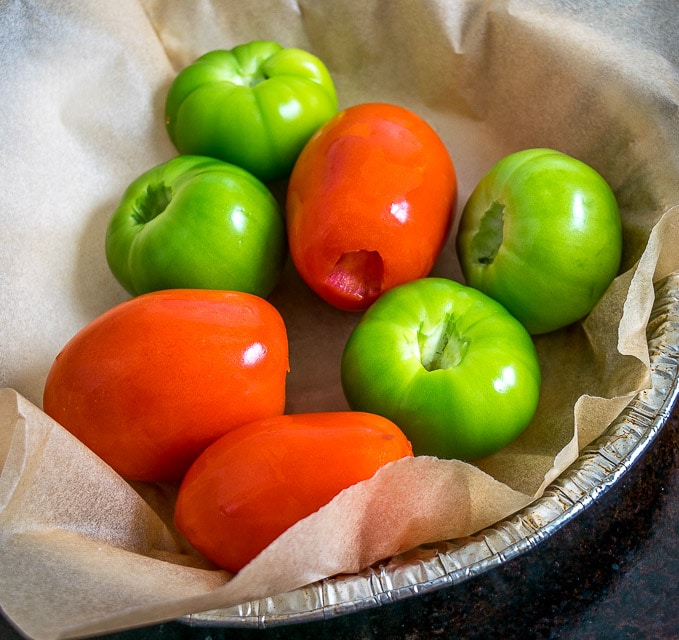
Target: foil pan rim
x,y
428,568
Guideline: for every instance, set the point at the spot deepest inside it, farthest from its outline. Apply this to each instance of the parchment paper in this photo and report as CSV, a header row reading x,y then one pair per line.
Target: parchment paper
x,y
83,85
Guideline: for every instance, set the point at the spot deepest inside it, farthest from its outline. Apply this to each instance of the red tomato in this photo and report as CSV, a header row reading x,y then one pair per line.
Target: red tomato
x,y
370,204
153,381
258,480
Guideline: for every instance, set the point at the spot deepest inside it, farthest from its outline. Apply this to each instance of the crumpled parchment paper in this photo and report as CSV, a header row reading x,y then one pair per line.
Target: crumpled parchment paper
x,y
83,552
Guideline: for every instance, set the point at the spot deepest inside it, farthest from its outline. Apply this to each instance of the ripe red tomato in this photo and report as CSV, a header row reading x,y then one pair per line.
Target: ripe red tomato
x,y
370,203
258,480
153,381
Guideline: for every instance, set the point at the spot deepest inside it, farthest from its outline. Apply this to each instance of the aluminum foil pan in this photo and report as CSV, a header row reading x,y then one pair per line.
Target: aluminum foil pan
x,y
428,568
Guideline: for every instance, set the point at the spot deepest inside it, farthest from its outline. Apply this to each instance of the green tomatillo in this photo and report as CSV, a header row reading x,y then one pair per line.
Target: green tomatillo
x,y
200,223
542,234
449,365
255,105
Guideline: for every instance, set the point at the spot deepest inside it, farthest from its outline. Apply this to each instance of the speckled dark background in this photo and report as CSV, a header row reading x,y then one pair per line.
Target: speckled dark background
x,y
612,573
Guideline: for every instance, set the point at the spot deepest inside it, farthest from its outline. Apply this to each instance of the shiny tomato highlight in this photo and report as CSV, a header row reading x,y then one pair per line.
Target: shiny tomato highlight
x,y
370,203
153,381
258,480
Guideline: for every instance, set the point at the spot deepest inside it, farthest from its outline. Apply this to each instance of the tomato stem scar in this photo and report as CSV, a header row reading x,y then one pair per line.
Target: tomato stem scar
x,y
359,274
488,239
151,203
442,347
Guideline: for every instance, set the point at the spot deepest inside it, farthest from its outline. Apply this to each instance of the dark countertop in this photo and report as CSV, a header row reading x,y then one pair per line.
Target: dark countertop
x,y
610,573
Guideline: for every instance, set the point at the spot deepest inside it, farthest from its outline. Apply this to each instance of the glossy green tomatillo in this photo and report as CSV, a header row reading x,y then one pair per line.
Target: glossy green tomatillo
x,y
542,234
197,223
449,365
255,105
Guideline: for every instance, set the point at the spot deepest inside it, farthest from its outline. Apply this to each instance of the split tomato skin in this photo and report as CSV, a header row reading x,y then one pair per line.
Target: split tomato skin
x,y
256,481
154,380
370,203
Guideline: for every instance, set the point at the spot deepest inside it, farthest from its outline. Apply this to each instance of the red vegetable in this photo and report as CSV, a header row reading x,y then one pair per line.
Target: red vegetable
x,y
370,203
258,480
153,381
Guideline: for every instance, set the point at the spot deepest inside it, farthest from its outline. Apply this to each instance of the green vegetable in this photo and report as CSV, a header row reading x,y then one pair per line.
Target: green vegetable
x,y
197,222
255,106
542,234
449,365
